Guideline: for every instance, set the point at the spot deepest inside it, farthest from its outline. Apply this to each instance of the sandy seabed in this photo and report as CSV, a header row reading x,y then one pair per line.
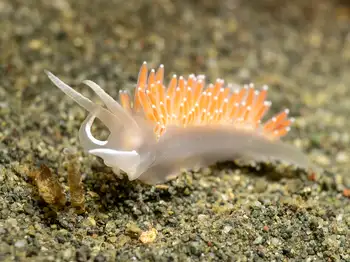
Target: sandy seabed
x,y
227,212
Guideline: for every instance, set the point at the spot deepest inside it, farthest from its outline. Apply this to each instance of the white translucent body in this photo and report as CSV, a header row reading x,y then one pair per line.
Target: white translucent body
x,y
133,147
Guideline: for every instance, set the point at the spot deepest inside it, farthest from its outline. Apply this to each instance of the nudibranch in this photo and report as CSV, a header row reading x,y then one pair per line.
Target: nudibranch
x,y
186,124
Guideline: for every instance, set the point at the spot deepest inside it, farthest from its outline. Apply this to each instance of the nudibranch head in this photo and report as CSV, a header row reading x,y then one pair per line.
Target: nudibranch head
x,y
182,125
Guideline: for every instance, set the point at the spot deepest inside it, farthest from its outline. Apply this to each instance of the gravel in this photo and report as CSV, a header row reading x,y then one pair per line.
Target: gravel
x,y
227,212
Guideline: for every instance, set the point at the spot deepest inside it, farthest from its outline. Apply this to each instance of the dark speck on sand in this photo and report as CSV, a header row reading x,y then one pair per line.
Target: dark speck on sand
x,y
227,212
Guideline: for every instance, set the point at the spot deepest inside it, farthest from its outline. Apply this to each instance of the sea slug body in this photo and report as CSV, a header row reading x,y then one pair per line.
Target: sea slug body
x,y
184,125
